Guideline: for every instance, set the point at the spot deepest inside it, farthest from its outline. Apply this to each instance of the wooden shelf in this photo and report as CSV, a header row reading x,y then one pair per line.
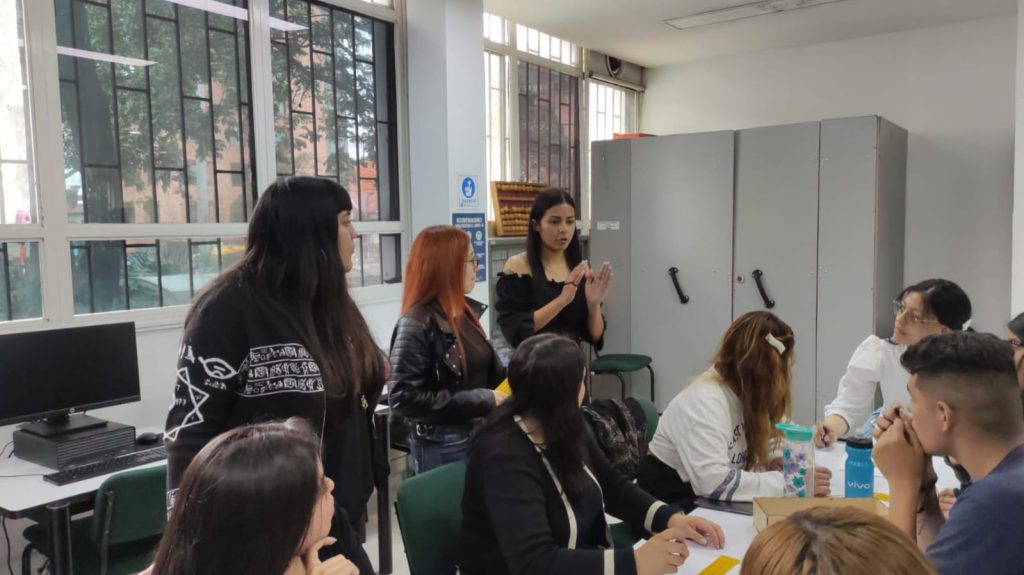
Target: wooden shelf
x,y
512,202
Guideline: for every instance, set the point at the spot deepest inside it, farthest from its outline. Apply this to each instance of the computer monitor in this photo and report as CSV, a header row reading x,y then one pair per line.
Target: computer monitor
x,y
47,375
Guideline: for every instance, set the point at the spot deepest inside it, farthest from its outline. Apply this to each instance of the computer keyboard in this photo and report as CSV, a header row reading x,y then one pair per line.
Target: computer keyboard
x,y
105,466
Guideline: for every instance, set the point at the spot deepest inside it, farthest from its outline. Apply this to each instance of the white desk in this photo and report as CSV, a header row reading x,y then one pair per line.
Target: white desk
x,y
28,492
739,529
22,495
834,458
739,534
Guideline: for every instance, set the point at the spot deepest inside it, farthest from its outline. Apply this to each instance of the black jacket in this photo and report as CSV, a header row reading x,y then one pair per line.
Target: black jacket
x,y
237,365
515,519
426,383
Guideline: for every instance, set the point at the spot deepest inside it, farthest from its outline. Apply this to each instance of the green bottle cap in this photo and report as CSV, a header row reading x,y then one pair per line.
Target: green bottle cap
x,y
796,432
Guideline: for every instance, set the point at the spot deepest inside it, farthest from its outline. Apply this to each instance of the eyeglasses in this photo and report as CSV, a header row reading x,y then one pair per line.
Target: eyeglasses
x,y
899,308
475,260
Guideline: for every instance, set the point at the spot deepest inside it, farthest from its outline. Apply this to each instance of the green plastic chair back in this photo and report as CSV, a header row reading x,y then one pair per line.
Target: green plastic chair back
x,y
651,411
429,509
130,506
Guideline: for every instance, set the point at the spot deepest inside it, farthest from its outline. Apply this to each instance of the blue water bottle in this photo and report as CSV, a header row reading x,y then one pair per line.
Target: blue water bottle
x,y
860,470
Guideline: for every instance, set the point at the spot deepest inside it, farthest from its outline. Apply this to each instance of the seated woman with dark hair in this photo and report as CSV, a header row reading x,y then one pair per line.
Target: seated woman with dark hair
x,y
254,501
537,487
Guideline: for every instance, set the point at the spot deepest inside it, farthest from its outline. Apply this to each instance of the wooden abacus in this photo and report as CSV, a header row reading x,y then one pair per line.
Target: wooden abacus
x,y
512,202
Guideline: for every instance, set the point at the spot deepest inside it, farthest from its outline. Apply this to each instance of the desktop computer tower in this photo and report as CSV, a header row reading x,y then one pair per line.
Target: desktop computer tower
x,y
75,448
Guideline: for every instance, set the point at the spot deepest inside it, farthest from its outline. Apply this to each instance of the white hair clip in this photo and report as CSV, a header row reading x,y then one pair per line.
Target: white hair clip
x,y
774,342
967,325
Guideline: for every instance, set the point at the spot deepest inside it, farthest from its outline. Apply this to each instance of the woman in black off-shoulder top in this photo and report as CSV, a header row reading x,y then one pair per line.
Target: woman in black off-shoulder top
x,y
549,288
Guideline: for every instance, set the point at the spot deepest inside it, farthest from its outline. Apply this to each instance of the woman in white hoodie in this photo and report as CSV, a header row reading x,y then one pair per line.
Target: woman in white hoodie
x,y
717,438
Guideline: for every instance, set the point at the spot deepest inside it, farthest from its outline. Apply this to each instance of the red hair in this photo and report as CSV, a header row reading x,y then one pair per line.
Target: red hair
x,y
436,272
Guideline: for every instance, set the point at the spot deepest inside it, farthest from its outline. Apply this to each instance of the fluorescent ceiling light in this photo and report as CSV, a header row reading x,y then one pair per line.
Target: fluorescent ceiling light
x,y
740,12
102,57
236,12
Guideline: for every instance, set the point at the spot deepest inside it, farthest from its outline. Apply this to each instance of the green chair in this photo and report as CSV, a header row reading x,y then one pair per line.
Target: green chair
x,y
651,411
429,510
122,533
618,363
622,534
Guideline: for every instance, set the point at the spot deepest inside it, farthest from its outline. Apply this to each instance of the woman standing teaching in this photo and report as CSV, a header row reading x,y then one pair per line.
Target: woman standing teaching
x,y
550,288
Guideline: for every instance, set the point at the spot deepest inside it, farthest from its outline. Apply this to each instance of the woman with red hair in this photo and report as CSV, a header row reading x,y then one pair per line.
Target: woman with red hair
x,y
443,369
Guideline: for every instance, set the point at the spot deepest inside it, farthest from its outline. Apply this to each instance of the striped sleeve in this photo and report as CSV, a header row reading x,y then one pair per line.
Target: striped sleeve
x,y
703,431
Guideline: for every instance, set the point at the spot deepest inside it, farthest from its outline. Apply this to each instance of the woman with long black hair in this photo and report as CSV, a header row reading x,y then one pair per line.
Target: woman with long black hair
x,y
930,307
537,486
550,288
279,336
254,501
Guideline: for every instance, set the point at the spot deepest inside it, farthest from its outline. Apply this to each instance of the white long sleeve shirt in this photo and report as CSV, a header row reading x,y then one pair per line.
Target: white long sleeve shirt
x,y
876,362
701,435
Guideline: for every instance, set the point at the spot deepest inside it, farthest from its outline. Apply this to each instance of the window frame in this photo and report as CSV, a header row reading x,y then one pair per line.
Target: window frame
x,y
55,234
636,97
504,137
511,106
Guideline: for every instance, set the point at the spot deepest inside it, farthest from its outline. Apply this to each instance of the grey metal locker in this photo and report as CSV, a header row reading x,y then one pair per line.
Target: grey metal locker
x,y
860,240
817,208
777,238
609,241
681,209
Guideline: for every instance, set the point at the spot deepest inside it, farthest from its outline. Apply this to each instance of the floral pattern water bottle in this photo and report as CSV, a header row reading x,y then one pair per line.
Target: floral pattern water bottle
x,y
797,459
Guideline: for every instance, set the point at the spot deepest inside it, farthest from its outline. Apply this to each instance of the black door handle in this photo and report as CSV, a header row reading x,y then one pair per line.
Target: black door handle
x,y
673,272
769,303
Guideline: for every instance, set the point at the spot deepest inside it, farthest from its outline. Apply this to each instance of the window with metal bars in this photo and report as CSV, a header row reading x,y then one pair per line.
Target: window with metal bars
x,y
138,274
548,128
334,103
156,112
156,127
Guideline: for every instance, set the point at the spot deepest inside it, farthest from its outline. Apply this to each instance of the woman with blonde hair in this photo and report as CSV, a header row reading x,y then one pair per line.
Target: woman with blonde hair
x,y
833,541
717,437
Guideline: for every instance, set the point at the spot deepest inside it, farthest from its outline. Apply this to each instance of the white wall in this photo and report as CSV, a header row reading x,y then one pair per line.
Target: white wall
x,y
446,103
951,87
446,108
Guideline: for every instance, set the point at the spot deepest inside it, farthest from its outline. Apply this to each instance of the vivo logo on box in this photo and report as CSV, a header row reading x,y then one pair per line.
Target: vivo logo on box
x,y
855,485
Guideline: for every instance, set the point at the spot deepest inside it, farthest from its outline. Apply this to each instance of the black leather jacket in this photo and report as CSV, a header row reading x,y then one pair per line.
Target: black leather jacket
x,y
426,384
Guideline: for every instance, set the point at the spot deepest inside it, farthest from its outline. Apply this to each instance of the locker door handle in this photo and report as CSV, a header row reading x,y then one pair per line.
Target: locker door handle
x,y
673,272
769,303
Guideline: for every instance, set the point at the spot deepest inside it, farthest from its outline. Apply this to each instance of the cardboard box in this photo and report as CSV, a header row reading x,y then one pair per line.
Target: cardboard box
x,y
769,510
